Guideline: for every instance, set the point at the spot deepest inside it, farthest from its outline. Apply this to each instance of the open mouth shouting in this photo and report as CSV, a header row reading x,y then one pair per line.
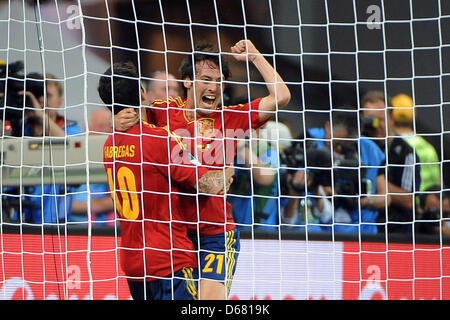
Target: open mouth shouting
x,y
208,102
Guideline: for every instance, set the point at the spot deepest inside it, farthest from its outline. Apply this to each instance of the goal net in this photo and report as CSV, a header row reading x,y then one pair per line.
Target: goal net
x,y
343,194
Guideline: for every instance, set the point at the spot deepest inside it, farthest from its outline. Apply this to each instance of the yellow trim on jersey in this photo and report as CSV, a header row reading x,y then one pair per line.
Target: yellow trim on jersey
x,y
170,133
231,260
158,101
240,105
148,124
176,137
186,118
190,283
178,101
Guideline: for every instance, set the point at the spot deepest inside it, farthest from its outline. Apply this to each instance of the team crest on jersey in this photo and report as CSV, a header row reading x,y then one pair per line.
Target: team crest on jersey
x,y
205,128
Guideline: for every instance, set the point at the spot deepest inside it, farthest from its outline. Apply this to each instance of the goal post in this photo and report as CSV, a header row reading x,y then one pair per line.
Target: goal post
x,y
334,198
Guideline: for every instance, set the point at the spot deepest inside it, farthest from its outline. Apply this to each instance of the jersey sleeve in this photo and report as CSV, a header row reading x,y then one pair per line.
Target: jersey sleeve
x,y
237,116
254,113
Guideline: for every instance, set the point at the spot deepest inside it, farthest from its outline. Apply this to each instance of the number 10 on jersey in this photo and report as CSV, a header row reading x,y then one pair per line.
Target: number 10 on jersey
x,y
129,207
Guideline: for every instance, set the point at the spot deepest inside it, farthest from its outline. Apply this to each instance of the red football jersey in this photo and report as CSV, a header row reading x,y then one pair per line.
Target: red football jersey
x,y
209,136
141,168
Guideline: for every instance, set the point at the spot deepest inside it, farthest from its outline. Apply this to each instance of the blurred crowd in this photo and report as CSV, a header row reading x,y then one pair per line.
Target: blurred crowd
x,y
364,172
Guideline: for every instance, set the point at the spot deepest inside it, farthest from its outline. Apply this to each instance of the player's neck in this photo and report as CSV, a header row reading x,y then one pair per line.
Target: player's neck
x,y
189,109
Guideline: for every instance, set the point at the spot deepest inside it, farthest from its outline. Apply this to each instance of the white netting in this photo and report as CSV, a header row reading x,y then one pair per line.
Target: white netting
x,y
342,62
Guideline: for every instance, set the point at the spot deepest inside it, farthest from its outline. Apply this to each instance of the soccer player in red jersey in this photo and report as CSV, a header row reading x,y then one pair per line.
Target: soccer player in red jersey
x,y
214,130
146,166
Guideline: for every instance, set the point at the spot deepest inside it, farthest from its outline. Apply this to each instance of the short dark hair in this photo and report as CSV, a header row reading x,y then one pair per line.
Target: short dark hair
x,y
127,88
375,96
202,52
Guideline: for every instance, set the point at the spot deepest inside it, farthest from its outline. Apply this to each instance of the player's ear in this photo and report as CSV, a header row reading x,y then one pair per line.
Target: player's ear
x,y
187,83
144,99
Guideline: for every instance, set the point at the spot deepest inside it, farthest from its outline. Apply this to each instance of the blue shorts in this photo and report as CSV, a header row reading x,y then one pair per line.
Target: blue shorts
x,y
183,287
218,255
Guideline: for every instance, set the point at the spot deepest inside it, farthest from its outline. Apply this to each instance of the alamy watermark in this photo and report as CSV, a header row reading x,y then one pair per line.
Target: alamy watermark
x,y
222,148
74,19
374,18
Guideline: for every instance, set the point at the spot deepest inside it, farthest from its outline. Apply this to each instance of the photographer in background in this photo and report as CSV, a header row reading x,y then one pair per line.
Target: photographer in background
x,y
50,121
373,124
15,111
254,192
25,99
52,203
308,190
373,117
403,112
358,181
16,107
403,168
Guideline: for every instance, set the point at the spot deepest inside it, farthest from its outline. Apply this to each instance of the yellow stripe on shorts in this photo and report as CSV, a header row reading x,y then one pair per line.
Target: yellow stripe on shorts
x,y
230,256
190,283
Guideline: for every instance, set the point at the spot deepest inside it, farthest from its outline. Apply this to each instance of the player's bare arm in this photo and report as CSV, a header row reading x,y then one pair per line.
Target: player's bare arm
x,y
215,182
395,196
279,94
